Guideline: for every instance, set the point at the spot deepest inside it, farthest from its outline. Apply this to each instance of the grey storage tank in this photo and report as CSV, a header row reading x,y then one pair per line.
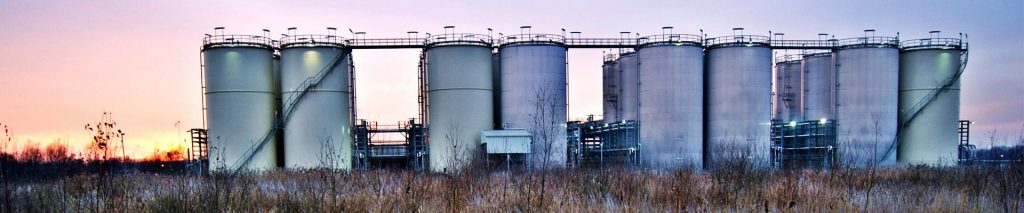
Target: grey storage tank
x,y
819,85
867,77
610,89
239,94
629,86
533,93
671,100
318,133
459,97
788,101
929,99
738,100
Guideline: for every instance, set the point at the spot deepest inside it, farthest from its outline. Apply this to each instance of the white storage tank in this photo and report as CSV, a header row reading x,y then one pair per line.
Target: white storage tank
x,y
533,93
318,133
867,77
929,100
819,86
738,100
629,86
239,81
788,89
459,97
671,100
610,89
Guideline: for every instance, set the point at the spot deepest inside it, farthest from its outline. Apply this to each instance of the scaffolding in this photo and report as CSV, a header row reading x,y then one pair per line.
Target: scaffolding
x,y
594,143
806,144
376,152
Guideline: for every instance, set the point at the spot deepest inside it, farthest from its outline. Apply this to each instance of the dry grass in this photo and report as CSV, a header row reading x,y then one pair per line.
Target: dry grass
x,y
913,189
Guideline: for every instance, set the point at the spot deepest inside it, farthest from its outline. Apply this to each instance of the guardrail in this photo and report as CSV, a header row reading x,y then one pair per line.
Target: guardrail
x,y
238,41
521,38
312,40
671,39
940,43
459,39
601,42
880,41
738,40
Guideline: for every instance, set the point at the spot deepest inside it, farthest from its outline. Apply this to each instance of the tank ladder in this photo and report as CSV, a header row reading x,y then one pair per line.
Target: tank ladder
x,y
286,111
199,154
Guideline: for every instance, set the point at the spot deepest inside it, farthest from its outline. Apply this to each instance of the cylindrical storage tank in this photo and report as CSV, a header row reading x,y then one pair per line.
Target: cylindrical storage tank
x,y
239,77
867,77
317,98
629,86
533,97
788,90
459,98
671,100
929,101
738,107
819,88
610,89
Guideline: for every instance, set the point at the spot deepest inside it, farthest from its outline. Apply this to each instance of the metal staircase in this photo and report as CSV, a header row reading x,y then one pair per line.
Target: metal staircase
x,y
286,111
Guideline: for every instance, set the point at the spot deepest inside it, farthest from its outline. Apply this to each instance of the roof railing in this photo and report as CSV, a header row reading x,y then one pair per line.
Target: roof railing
x,y
932,43
531,38
450,39
870,41
671,39
213,41
738,40
312,41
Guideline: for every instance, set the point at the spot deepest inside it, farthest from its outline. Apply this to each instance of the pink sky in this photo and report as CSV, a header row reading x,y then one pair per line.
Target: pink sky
x,y
65,62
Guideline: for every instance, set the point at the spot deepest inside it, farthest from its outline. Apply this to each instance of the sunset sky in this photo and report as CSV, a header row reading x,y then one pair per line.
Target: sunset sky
x,y
63,63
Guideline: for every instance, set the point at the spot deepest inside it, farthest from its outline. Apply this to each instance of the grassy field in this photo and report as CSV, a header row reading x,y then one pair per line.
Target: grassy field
x,y
912,189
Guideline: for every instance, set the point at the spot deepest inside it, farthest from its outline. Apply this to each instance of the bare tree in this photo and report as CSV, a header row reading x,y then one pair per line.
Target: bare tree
x,y
544,129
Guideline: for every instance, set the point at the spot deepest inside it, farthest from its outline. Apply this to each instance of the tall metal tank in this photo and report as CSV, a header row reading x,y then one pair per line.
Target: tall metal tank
x,y
239,81
929,100
819,86
610,89
738,100
788,89
318,133
867,77
671,100
629,86
533,93
459,97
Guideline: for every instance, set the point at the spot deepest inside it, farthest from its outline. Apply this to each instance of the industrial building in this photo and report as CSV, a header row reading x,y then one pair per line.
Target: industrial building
x,y
669,101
